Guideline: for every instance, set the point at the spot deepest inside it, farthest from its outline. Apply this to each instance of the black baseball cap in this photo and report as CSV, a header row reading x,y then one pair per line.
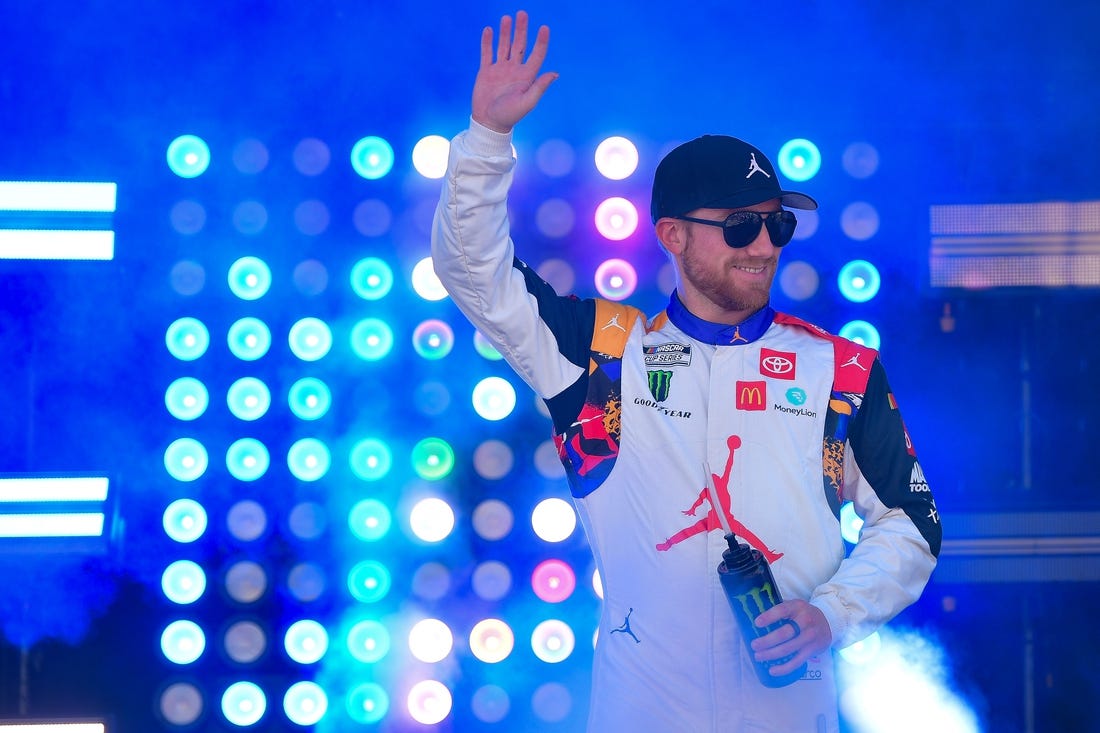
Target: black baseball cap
x,y
717,172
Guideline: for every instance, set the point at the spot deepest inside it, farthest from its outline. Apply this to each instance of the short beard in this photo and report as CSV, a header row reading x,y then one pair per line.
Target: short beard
x,y
716,287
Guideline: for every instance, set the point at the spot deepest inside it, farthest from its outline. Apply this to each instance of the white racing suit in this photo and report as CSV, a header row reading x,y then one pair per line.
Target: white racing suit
x,y
788,421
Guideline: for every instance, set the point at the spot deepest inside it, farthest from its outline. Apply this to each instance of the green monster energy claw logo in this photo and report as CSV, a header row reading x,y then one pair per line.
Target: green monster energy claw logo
x,y
659,382
757,605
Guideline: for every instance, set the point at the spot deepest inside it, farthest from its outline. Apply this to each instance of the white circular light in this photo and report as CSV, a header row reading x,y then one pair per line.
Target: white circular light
x,y
425,282
432,520
553,520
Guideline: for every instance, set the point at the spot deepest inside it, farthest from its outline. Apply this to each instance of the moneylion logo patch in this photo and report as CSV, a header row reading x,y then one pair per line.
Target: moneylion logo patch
x,y
660,381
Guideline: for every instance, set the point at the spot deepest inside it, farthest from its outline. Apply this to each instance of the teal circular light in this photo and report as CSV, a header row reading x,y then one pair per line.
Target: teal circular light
x,y
249,278
371,339
372,157
188,156
368,703
370,459
369,581
249,338
305,703
186,398
306,641
486,349
433,339
371,278
244,704
308,459
247,459
368,641
183,582
187,339
309,398
850,523
369,520
799,159
861,332
184,520
433,459
185,459
248,398
182,642
310,339
859,281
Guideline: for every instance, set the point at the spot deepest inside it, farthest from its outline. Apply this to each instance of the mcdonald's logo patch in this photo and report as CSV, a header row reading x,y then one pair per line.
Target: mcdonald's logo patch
x,y
752,395
660,380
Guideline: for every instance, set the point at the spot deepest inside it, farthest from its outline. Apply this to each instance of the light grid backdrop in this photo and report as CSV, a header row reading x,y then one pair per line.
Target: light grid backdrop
x,y
366,521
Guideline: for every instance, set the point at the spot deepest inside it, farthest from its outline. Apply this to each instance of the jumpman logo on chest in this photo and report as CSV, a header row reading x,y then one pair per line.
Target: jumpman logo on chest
x,y
712,521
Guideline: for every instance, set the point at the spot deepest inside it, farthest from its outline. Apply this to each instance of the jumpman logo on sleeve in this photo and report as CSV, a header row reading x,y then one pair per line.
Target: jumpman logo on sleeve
x,y
711,522
613,322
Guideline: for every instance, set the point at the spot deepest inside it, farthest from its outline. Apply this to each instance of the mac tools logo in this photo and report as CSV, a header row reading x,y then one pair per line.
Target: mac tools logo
x,y
777,364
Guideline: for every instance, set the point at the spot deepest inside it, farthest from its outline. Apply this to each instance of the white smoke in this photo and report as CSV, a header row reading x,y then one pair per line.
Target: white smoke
x,y
906,687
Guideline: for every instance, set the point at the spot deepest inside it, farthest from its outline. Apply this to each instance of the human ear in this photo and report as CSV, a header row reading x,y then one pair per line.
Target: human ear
x,y
670,233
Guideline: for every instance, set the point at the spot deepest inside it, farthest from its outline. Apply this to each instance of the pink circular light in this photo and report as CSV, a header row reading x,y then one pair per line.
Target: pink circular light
x,y
553,581
616,218
616,279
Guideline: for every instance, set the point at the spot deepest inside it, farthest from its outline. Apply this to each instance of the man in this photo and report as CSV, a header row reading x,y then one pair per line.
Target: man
x,y
794,421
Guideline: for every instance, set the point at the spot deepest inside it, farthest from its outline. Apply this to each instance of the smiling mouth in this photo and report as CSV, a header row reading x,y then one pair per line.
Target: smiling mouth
x,y
751,270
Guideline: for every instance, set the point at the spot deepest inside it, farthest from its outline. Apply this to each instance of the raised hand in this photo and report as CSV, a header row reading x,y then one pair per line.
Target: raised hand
x,y
509,87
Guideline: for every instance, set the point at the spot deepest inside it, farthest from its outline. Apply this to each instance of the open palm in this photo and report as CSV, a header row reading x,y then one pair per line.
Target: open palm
x,y
507,88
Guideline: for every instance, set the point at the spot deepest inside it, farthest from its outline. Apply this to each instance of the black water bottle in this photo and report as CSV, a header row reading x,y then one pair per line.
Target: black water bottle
x,y
750,588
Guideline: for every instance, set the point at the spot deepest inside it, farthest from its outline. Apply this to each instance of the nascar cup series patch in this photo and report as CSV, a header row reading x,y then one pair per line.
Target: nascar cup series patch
x,y
667,355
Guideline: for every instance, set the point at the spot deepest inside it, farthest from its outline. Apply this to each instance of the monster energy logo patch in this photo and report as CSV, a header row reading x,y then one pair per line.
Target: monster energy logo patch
x,y
660,380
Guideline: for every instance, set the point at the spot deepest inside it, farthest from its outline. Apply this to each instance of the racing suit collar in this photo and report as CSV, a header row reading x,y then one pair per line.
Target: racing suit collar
x,y
720,334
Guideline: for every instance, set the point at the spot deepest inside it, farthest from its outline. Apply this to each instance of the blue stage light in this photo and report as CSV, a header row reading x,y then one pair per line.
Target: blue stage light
x,y
859,281
244,704
799,159
249,338
182,642
248,398
372,157
308,459
861,332
188,156
249,278
370,459
184,520
247,459
187,338
185,459
371,339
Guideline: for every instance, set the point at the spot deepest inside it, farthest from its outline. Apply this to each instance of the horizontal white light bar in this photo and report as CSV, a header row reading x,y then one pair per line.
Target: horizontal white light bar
x,y
52,728
58,196
51,525
57,244
86,488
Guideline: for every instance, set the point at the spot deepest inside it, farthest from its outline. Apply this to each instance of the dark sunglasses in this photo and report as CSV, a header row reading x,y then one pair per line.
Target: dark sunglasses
x,y
741,228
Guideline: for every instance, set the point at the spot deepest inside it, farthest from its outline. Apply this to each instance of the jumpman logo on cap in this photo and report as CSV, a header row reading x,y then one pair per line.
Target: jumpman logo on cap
x,y
754,167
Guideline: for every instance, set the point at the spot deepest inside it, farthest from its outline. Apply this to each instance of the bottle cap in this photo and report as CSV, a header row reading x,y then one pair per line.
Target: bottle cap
x,y
738,556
